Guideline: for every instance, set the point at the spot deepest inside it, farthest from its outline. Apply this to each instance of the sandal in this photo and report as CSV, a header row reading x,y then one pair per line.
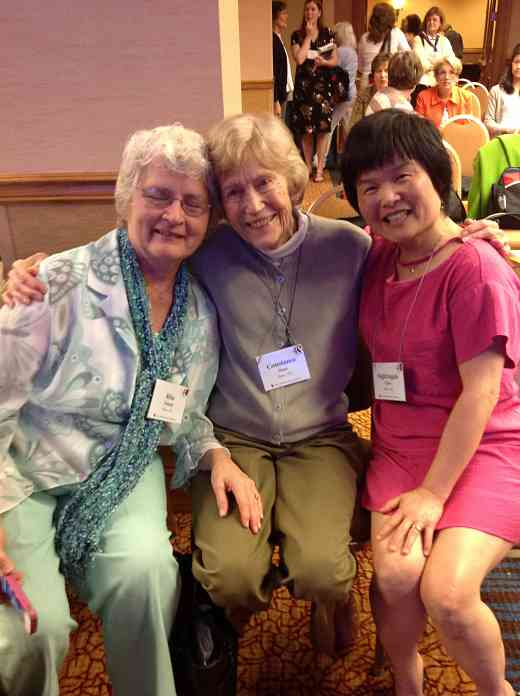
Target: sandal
x,y
318,178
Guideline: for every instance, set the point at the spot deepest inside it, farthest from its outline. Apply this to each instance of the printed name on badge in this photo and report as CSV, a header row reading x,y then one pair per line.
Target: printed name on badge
x,y
389,381
284,367
168,402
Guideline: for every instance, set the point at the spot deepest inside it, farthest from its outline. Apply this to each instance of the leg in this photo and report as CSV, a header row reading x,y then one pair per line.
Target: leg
x,y
30,664
322,146
133,585
313,511
308,149
231,562
450,588
398,610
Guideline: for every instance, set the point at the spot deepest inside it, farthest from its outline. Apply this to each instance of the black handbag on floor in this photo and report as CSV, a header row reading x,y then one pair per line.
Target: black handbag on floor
x,y
203,643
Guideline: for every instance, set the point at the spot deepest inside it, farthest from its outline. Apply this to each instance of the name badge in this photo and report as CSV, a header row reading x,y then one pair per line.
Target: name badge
x,y
168,402
389,381
283,367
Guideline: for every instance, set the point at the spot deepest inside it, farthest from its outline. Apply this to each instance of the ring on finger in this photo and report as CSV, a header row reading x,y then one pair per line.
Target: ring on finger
x,y
417,526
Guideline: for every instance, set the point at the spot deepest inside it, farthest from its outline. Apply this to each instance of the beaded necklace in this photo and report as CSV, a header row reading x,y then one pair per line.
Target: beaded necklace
x,y
81,517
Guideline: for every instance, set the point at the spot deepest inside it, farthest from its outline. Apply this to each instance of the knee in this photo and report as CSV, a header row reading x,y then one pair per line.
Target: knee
x,y
448,603
321,574
234,581
50,642
395,577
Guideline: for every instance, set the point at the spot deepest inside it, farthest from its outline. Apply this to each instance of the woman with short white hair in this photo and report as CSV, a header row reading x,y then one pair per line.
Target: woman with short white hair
x,y
119,357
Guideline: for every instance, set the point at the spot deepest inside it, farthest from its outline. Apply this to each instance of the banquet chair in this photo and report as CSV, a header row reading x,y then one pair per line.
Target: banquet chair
x,y
462,82
456,168
466,134
481,92
333,204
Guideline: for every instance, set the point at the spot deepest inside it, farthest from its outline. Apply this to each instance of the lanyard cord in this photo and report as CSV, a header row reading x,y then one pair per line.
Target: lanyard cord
x,y
405,325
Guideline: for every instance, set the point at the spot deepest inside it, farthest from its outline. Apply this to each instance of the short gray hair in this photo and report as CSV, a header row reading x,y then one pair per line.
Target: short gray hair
x,y
263,138
345,36
179,149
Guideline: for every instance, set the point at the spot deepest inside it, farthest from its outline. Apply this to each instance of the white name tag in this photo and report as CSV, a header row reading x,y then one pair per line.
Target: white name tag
x,y
283,367
168,402
389,381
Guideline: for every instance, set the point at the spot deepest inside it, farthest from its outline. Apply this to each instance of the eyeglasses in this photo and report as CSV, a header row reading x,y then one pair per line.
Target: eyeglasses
x,y
160,199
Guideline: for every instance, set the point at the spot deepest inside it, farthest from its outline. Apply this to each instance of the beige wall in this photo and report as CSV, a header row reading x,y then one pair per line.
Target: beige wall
x,y
466,16
256,55
77,78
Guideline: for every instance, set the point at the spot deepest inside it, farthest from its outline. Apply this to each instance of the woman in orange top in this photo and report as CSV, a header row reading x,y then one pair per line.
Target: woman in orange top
x,y
446,98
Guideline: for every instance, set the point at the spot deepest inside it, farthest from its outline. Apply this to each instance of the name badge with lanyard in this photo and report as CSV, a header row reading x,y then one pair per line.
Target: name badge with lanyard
x,y
168,402
281,368
388,377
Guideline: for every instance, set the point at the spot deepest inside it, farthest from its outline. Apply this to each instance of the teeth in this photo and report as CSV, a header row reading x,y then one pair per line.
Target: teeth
x,y
399,216
262,222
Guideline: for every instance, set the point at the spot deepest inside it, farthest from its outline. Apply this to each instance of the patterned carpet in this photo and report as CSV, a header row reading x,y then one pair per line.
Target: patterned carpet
x,y
275,653
276,658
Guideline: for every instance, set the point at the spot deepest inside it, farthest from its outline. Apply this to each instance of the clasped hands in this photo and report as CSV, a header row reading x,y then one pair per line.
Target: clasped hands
x,y
410,515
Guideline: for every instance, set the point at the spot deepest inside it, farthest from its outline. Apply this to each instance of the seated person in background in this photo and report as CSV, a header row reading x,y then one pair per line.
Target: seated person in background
x,y
404,72
503,111
411,27
82,493
446,99
378,80
447,415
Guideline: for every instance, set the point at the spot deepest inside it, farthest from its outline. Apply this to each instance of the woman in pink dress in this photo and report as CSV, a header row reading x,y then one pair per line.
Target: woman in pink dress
x,y
441,320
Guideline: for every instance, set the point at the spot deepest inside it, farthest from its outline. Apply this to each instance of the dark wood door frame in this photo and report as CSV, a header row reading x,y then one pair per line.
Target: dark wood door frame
x,y
496,49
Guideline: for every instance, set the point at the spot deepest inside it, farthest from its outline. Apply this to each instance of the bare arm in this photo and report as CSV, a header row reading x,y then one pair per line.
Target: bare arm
x,y
300,51
420,509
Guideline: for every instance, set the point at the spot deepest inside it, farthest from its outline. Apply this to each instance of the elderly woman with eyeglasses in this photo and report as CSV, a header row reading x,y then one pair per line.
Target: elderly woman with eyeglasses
x,y
119,357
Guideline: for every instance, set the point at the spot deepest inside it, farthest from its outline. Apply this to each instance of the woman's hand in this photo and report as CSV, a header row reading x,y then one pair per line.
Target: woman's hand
x,y
310,28
22,285
227,477
411,514
487,229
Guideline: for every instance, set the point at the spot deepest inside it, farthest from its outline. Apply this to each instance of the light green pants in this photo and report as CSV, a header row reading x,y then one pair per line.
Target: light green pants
x,y
308,491
132,585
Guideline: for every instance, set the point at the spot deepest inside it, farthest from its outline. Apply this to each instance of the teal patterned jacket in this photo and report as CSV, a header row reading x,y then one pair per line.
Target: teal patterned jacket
x,y
68,368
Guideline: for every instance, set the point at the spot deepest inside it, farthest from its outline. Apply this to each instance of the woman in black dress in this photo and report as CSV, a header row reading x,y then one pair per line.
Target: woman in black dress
x,y
313,88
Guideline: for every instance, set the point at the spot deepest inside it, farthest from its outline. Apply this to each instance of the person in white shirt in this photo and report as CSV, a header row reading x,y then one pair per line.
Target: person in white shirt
x,y
431,44
503,111
382,37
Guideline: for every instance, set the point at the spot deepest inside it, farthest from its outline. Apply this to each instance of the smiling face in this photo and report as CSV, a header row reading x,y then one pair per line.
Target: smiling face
x,y
160,231
257,205
399,202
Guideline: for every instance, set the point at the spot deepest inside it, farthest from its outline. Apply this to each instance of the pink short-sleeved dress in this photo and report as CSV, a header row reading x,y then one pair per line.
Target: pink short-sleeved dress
x,y
464,306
